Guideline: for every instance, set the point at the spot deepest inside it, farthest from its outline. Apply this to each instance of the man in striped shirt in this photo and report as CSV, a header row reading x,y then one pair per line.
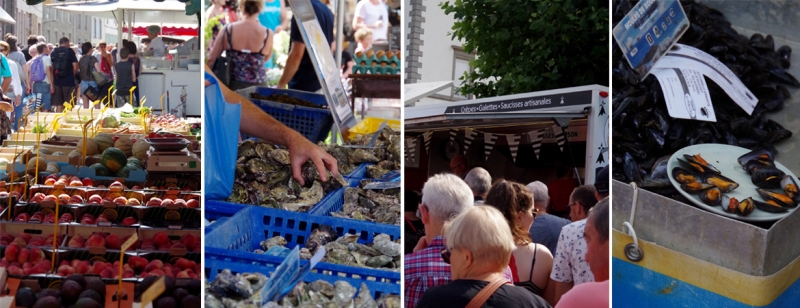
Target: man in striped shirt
x,y
443,196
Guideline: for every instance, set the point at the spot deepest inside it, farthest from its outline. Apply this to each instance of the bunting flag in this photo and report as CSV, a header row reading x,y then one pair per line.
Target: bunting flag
x,y
469,135
513,144
560,136
411,143
453,133
488,144
426,137
536,141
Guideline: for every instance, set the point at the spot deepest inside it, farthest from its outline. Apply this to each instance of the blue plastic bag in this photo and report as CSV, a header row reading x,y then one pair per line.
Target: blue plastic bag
x,y
221,136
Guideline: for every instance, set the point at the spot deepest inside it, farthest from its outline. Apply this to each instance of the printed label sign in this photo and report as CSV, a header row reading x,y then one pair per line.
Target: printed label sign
x,y
526,103
324,64
648,32
686,94
683,56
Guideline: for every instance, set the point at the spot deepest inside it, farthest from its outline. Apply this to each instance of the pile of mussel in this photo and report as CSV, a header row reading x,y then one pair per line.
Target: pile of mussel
x,y
645,136
710,185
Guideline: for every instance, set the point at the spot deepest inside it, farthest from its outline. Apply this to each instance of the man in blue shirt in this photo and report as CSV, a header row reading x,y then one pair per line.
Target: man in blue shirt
x,y
299,72
546,227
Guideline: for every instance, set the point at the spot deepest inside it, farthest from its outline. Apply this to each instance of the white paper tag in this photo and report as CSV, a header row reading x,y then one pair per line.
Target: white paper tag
x,y
686,94
683,56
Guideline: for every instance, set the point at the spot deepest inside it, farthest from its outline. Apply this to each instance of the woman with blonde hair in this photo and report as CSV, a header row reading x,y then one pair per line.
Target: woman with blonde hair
x,y
531,263
479,245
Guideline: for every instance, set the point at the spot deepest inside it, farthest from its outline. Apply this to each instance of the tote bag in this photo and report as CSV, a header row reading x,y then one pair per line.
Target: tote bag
x,y
221,133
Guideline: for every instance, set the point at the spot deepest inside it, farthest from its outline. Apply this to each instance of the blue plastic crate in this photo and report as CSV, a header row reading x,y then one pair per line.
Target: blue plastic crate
x,y
217,260
218,209
241,234
313,123
359,172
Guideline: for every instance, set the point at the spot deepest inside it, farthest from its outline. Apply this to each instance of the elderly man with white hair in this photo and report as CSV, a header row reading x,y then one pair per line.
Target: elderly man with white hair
x,y
479,248
545,228
444,196
479,181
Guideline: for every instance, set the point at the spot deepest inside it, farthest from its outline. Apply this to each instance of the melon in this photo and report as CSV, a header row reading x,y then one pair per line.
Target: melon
x,y
125,145
45,151
140,149
31,166
113,159
104,141
110,122
52,167
100,170
134,161
124,172
91,146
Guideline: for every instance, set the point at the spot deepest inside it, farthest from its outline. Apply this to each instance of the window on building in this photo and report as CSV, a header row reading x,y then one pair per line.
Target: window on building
x,y
48,34
460,66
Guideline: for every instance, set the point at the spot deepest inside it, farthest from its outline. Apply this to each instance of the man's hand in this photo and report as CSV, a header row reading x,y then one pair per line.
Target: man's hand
x,y
301,150
52,89
378,24
17,101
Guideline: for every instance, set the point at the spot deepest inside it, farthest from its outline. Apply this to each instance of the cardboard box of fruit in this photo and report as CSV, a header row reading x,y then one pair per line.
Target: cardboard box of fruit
x,y
174,242
97,240
43,212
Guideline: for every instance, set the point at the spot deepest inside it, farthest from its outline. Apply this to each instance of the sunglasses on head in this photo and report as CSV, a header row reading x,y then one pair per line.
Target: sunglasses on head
x,y
446,255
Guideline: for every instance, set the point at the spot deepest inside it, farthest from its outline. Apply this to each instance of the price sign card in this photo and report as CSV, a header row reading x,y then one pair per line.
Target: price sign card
x,y
649,31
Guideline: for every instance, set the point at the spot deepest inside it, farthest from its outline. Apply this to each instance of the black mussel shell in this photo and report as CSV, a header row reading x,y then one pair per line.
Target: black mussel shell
x,y
791,188
711,196
700,164
761,153
769,206
779,198
767,178
723,183
758,164
684,176
696,187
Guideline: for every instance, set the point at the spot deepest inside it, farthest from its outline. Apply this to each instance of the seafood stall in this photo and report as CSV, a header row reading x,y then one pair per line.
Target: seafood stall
x,y
97,205
524,135
716,197
270,239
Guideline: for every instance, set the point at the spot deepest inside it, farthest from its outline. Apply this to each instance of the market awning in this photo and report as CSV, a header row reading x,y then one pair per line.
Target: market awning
x,y
172,11
560,104
416,91
5,18
165,30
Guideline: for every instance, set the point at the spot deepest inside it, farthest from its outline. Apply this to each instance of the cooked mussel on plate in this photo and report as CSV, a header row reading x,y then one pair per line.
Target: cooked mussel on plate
x,y
699,164
790,188
732,205
779,198
767,178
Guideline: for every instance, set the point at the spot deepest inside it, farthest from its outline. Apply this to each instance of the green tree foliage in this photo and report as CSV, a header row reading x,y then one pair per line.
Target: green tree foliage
x,y
530,45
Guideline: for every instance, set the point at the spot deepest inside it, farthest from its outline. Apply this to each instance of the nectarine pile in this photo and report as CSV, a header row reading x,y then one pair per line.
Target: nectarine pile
x,y
21,261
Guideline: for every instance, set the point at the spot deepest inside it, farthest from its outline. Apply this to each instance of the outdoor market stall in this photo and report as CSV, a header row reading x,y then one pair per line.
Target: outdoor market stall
x,y
100,201
283,234
729,221
176,74
523,134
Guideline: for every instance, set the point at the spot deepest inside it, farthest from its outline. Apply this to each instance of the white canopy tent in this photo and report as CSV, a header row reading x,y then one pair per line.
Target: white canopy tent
x,y
138,11
5,18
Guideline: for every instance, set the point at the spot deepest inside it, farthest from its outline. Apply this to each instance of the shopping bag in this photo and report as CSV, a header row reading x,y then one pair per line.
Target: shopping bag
x,y
221,135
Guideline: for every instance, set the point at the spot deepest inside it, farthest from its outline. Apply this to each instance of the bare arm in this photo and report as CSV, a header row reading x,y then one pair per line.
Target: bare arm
x,y
216,50
133,72
74,67
258,123
560,288
292,63
49,71
267,51
284,19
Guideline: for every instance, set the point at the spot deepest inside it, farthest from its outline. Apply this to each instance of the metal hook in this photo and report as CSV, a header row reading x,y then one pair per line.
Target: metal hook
x,y
632,251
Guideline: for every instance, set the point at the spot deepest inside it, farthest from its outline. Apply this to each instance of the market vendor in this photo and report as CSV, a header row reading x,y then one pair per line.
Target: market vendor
x,y
257,123
157,45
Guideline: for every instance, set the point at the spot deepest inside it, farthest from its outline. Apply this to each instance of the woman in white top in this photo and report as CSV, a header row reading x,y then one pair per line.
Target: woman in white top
x,y
156,43
372,14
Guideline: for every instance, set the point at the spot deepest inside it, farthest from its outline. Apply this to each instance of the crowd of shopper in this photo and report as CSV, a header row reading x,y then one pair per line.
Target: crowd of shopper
x,y
492,243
